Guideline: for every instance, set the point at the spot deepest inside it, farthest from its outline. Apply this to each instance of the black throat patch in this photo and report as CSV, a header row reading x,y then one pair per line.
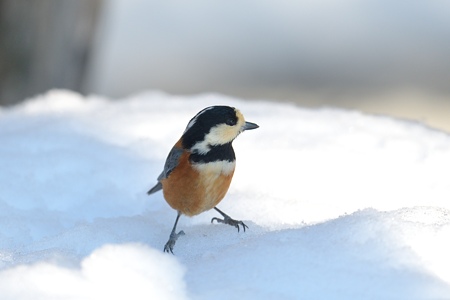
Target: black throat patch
x,y
216,153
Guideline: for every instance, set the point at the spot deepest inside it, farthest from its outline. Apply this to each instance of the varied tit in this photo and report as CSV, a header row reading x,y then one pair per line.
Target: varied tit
x,y
199,168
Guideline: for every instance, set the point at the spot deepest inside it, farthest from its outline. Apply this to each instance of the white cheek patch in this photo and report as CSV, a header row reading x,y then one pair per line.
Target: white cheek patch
x,y
212,169
222,134
219,135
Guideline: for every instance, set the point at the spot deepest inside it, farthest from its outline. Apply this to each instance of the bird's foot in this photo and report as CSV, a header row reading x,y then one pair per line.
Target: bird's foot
x,y
227,220
172,240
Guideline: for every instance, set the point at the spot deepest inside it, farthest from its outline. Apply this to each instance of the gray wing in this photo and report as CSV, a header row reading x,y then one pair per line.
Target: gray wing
x,y
171,163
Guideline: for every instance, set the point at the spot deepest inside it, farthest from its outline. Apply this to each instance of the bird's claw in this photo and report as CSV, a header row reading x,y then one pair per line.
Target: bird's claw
x,y
230,221
172,240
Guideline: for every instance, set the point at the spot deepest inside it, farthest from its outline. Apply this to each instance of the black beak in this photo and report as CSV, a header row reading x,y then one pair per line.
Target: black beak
x,y
249,126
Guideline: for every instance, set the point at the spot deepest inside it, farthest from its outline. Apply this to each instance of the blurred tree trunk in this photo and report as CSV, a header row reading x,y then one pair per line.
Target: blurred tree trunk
x,y
44,44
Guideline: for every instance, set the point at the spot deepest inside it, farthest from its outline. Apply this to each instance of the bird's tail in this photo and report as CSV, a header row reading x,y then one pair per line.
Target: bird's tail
x,y
156,188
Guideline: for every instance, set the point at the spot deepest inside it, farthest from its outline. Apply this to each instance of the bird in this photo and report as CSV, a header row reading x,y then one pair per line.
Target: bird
x,y
198,170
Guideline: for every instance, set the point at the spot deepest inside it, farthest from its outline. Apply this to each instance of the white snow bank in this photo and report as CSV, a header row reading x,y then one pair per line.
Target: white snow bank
x,y
111,272
339,204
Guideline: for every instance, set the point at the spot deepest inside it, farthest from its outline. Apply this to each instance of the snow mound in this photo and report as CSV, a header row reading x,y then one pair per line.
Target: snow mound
x,y
111,272
339,204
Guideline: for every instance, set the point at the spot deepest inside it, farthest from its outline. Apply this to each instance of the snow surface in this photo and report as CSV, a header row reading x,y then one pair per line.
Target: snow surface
x,y
340,205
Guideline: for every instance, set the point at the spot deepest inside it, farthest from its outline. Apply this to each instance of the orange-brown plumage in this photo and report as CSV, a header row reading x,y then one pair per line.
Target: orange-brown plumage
x,y
191,191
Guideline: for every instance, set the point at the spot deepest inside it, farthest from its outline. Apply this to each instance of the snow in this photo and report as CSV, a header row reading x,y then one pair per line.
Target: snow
x,y
340,205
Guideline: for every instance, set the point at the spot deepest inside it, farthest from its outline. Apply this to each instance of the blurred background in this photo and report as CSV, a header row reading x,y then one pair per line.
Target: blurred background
x,y
377,56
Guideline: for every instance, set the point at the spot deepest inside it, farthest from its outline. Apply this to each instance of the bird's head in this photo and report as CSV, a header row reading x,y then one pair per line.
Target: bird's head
x,y
213,126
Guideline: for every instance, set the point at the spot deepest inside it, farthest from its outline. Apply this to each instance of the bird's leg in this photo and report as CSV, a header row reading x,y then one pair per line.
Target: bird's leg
x,y
227,220
173,236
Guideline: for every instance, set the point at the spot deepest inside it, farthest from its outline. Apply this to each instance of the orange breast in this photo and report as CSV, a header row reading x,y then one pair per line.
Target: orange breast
x,y
192,190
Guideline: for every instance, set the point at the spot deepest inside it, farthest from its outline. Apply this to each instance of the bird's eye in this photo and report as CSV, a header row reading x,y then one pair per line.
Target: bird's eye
x,y
230,121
